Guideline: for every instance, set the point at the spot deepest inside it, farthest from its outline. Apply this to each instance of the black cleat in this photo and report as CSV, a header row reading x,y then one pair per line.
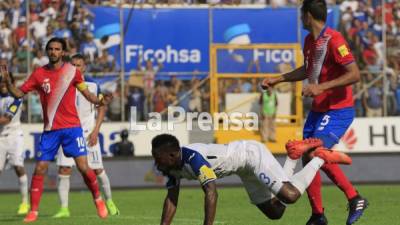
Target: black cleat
x,y
317,219
357,205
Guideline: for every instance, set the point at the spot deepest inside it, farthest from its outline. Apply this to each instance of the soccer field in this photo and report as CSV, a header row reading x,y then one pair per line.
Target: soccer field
x,y
143,207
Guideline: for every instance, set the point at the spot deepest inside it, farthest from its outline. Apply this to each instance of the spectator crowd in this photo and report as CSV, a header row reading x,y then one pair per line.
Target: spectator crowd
x,y
23,39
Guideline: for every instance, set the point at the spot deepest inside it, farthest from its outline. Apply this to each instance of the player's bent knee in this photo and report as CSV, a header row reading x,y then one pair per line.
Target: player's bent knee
x,y
306,158
273,209
19,170
98,171
289,194
65,170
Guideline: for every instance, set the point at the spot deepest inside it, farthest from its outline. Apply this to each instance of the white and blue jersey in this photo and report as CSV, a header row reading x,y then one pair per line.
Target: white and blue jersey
x,y
11,135
11,107
86,109
258,169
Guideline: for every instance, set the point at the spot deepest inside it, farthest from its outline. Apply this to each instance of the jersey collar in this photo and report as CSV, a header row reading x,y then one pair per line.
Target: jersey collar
x,y
322,32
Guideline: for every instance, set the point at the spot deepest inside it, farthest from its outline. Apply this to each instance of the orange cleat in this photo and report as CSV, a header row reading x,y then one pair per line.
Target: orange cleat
x,y
32,216
330,156
101,208
295,149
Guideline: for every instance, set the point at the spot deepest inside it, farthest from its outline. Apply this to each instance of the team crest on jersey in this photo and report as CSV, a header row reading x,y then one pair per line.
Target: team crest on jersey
x,y
46,86
343,50
13,108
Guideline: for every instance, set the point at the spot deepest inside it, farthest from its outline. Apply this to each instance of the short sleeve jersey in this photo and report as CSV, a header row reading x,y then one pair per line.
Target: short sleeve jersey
x,y
325,59
57,90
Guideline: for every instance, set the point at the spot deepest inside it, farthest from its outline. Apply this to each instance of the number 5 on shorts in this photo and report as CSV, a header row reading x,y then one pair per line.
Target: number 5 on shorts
x,y
324,122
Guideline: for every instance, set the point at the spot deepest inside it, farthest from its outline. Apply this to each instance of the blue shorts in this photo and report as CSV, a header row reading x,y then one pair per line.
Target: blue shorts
x,y
71,140
328,126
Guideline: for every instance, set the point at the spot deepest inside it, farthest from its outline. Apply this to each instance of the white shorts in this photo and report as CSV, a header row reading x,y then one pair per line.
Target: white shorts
x,y
94,157
12,150
263,175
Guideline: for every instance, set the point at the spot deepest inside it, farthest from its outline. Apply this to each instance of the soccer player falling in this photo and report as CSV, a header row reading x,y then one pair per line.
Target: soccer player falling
x,y
331,70
264,179
56,84
91,127
12,141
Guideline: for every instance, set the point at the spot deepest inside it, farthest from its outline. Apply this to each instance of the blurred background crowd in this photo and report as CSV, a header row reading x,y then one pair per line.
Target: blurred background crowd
x,y
22,43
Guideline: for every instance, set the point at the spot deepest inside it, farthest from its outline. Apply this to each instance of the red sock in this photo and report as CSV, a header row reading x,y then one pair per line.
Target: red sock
x,y
314,195
91,183
36,191
335,173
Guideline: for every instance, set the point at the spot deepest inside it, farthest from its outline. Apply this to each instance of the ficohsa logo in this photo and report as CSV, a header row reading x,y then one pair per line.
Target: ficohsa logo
x,y
163,55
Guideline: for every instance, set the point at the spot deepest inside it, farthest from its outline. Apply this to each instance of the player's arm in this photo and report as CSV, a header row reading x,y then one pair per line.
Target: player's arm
x,y
10,113
210,202
295,75
170,204
14,91
92,98
93,136
351,76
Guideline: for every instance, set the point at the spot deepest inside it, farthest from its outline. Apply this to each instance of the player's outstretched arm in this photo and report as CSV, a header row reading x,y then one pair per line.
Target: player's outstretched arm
x,y
14,91
351,76
93,136
295,75
92,98
170,204
210,204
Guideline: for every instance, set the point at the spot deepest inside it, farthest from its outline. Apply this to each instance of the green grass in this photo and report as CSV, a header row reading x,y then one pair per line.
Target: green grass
x,y
143,207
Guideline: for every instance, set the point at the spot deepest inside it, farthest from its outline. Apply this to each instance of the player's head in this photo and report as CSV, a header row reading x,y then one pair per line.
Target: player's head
x,y
124,134
55,49
166,152
78,60
313,10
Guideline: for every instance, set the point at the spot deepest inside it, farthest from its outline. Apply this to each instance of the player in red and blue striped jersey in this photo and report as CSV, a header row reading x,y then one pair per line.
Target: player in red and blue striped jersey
x,y
56,84
330,69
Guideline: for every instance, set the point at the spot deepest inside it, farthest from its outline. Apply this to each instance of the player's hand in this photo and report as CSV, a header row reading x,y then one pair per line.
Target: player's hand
x,y
92,138
107,98
312,90
269,82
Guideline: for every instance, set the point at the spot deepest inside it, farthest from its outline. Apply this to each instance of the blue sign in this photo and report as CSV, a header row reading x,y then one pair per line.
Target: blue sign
x,y
263,25
180,38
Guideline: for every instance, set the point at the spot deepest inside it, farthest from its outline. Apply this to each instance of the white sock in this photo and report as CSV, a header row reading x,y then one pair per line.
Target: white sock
x,y
290,166
304,177
23,187
105,184
63,189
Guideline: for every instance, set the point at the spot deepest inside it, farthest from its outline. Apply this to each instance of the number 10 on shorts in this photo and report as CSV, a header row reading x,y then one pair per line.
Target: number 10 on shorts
x,y
81,144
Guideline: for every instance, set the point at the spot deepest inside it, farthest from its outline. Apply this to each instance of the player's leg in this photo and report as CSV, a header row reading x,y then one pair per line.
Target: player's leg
x,y
36,190
23,188
330,129
261,196
48,146
273,208
95,161
106,186
73,144
290,163
64,173
16,159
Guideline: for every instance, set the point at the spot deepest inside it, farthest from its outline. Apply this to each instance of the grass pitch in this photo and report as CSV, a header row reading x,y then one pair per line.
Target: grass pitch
x,y
143,207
